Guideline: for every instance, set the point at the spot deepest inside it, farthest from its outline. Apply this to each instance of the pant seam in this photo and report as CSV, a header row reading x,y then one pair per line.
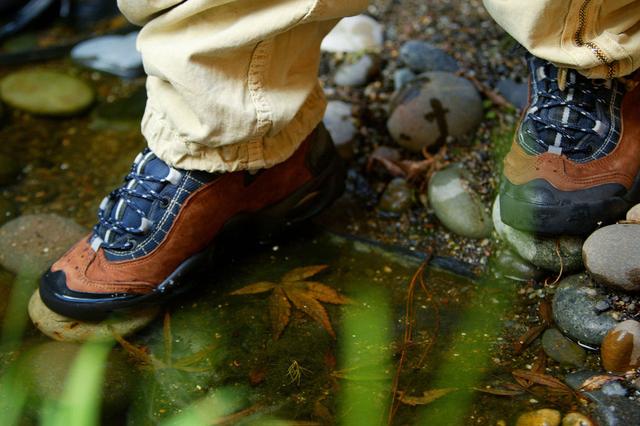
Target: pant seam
x,y
255,81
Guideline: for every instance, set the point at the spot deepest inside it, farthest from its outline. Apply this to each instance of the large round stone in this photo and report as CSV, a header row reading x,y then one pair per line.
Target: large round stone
x,y
553,254
575,313
46,92
66,329
456,205
31,243
612,256
432,107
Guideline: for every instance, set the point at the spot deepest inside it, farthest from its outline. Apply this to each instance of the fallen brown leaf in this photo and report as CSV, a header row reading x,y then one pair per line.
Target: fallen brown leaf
x,y
304,295
427,397
527,338
528,378
596,382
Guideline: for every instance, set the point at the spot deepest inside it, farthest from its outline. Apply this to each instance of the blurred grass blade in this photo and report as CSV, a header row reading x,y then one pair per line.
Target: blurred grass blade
x,y
16,318
13,395
80,403
206,411
365,340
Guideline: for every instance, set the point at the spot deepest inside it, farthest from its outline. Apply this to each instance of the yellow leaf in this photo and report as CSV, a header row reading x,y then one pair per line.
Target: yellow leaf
x,y
427,397
259,287
299,274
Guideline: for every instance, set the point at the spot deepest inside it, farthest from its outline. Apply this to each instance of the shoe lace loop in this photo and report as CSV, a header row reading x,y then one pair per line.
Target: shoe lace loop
x,y
111,233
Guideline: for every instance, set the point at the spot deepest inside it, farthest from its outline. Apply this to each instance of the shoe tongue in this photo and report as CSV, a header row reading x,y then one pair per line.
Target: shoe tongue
x,y
146,164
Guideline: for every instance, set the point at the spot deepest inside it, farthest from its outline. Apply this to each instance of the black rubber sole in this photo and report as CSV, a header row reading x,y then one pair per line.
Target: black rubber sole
x,y
303,204
570,213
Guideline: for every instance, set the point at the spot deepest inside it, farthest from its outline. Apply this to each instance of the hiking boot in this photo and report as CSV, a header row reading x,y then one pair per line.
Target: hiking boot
x,y
575,159
162,222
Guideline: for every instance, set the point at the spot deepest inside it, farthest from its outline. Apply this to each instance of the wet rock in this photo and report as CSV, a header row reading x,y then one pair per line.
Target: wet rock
x,y
610,410
634,213
121,115
34,242
456,205
421,57
541,251
114,54
509,264
9,170
359,72
396,197
612,256
516,93
338,121
574,310
561,349
47,366
576,419
431,108
401,77
66,329
46,92
620,348
543,417
354,34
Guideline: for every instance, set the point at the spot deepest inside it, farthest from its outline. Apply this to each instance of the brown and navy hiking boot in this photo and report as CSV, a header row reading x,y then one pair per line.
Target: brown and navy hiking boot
x,y
575,158
162,222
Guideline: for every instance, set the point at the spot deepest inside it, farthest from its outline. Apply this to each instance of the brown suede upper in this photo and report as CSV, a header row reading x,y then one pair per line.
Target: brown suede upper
x,y
200,219
621,166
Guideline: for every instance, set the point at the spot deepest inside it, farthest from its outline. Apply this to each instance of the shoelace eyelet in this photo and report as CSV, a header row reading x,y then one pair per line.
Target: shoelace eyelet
x,y
164,202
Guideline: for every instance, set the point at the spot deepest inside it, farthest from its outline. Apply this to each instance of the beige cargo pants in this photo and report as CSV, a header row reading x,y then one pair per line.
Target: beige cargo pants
x,y
233,83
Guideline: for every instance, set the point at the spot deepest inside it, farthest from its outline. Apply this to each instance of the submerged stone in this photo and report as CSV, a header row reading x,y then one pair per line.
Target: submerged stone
x,y
575,313
561,349
32,243
543,417
433,107
553,254
46,92
612,256
610,410
511,265
457,205
576,419
47,366
66,329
